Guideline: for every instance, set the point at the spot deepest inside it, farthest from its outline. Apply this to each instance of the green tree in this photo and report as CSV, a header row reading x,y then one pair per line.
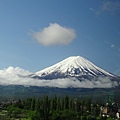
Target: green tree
x,y
27,104
88,104
37,105
58,103
62,104
66,102
46,108
53,103
33,104
71,104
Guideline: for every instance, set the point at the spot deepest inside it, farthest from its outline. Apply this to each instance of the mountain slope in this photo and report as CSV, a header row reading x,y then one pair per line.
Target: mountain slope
x,y
75,66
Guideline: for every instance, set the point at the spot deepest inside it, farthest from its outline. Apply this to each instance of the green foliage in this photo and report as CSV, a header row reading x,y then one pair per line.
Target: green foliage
x,y
54,108
99,118
109,118
63,115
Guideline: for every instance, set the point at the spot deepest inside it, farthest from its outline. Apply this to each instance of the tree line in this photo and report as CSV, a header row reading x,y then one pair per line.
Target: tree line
x,y
56,108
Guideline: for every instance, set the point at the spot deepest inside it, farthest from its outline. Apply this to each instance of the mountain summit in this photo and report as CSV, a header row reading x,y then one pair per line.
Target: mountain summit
x,y
73,72
75,66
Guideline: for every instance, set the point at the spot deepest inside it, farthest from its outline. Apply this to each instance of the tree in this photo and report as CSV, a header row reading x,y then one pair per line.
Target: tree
x,y
33,104
58,104
88,104
53,103
37,105
62,104
46,107
66,102
71,104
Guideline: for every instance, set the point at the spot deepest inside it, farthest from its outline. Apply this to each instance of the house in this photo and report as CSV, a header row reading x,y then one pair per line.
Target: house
x,y
118,113
105,110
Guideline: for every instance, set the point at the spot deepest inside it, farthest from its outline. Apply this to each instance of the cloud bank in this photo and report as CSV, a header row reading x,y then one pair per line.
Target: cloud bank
x,y
15,76
55,34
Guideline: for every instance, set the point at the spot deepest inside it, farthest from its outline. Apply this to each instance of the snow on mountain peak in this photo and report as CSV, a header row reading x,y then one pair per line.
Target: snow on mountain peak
x,y
74,72
73,66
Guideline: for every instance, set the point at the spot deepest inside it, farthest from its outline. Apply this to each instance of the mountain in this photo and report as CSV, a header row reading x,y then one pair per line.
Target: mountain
x,y
75,66
77,72
73,72
74,76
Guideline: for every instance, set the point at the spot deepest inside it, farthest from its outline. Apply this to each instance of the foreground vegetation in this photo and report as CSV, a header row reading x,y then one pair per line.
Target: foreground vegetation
x,y
54,108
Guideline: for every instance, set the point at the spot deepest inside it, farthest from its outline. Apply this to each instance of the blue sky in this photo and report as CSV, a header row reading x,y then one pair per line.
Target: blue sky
x,y
35,34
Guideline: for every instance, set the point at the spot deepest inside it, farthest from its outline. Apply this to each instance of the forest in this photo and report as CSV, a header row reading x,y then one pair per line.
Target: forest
x,y
52,108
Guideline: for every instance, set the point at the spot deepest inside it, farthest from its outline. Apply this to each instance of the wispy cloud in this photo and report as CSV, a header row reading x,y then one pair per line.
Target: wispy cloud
x,y
14,76
92,9
118,33
55,34
114,47
117,72
110,7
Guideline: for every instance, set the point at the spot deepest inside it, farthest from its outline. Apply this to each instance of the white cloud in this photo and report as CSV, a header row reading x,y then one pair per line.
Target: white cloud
x,y
13,71
55,34
60,83
14,76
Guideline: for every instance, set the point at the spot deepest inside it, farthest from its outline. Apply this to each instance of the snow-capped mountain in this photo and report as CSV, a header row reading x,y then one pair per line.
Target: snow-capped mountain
x,y
77,72
75,66
73,72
